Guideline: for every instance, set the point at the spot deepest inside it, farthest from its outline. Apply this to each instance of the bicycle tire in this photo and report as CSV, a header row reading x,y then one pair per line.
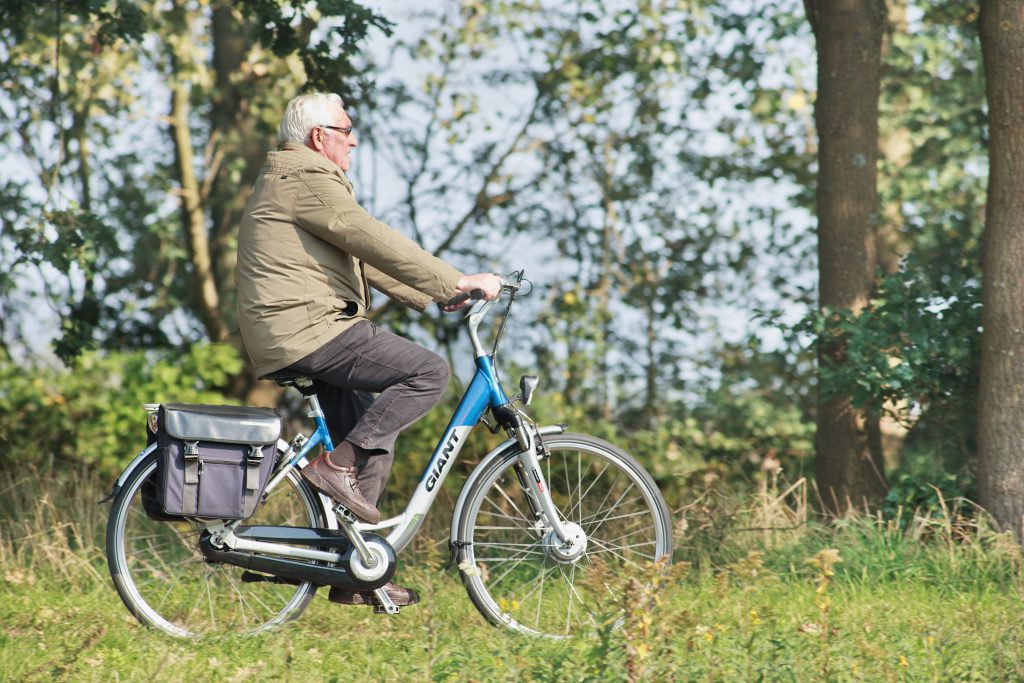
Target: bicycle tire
x,y
164,581
505,562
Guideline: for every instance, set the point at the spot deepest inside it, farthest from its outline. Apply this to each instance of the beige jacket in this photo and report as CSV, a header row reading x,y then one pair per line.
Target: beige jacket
x,y
306,251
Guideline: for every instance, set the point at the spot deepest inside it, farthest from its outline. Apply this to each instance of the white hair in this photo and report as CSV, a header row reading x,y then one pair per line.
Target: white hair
x,y
306,112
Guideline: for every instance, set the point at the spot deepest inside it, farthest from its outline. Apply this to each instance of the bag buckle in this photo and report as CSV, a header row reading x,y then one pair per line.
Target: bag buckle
x,y
255,452
191,450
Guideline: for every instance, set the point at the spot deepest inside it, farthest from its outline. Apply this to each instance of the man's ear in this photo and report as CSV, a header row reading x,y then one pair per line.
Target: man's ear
x,y
316,139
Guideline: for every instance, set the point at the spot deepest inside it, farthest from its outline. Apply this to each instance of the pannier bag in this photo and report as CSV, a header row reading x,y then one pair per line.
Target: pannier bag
x,y
214,461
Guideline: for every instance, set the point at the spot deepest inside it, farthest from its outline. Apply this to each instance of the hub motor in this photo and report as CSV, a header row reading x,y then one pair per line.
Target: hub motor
x,y
570,551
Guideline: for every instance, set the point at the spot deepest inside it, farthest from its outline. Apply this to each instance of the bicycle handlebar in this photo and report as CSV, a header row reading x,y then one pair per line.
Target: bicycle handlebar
x,y
476,295
508,284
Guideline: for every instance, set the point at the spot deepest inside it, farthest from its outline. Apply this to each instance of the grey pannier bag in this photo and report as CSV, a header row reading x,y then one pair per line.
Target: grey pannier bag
x,y
214,461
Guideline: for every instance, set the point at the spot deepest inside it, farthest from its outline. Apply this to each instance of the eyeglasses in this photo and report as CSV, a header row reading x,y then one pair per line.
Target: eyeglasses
x,y
346,131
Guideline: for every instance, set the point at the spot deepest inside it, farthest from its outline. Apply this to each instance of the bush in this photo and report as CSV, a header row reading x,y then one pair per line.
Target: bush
x,y
92,413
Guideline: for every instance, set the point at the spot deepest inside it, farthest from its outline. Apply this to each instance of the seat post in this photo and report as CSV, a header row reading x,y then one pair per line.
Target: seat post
x,y
304,385
314,404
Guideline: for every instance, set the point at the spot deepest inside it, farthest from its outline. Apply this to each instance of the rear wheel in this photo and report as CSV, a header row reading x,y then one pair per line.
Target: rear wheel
x,y
164,580
514,568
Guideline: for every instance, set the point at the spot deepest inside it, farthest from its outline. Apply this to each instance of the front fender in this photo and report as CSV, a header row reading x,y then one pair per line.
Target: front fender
x,y
500,451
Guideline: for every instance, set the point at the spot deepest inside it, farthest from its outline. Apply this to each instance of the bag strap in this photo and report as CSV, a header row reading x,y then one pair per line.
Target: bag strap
x,y
193,471
252,474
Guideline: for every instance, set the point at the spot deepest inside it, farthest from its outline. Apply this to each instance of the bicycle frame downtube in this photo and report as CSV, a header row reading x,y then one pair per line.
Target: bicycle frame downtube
x,y
483,392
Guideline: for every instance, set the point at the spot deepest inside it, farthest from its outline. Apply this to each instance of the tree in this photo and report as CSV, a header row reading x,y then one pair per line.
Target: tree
x,y
622,147
201,86
849,38
1001,392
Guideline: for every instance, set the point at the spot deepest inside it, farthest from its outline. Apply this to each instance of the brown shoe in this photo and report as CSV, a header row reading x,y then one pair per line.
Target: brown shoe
x,y
399,595
340,483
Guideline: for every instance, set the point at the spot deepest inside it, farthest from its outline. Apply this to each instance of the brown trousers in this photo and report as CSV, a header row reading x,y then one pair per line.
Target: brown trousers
x,y
362,361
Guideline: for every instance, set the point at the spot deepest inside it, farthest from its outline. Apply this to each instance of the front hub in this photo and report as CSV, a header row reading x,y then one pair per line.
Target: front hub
x,y
571,550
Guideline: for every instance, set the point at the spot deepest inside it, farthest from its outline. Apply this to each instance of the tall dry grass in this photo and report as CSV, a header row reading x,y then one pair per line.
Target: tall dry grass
x,y
52,527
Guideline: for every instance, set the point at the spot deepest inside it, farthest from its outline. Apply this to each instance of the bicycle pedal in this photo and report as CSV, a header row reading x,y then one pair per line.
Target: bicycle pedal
x,y
385,605
346,515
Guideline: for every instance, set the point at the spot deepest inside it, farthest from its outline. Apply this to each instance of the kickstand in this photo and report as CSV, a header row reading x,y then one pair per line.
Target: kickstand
x,y
387,605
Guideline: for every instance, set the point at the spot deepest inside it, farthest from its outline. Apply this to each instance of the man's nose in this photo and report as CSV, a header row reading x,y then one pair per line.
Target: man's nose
x,y
353,141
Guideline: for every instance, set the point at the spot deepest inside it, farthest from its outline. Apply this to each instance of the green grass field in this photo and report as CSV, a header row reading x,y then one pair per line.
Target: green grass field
x,y
771,629
860,600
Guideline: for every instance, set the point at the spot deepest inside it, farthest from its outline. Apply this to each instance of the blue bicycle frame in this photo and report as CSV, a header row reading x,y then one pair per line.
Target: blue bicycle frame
x,y
484,392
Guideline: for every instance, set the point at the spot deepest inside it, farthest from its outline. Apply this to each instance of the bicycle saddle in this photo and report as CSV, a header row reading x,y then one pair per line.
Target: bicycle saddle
x,y
284,378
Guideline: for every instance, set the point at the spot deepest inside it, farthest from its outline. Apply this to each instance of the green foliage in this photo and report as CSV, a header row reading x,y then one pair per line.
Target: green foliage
x,y
329,60
122,20
909,496
932,114
916,346
92,414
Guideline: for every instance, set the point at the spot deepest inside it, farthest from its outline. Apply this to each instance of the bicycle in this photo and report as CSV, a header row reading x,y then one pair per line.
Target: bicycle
x,y
532,519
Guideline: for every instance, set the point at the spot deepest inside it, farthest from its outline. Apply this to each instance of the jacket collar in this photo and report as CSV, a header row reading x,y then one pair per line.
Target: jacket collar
x,y
297,154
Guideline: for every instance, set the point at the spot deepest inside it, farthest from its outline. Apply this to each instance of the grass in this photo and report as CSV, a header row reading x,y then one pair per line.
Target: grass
x,y
861,600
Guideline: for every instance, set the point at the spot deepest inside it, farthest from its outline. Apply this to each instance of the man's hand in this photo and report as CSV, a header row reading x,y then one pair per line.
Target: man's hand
x,y
488,283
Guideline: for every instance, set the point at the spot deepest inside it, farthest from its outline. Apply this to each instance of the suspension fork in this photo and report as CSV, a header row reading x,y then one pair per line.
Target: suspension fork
x,y
531,477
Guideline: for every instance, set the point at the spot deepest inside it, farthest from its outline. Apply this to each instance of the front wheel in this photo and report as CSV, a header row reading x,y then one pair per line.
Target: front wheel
x,y
166,582
512,566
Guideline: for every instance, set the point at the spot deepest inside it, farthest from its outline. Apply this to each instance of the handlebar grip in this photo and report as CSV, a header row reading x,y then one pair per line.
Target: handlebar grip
x,y
476,295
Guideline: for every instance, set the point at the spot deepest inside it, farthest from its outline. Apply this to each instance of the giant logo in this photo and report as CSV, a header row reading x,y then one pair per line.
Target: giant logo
x,y
446,454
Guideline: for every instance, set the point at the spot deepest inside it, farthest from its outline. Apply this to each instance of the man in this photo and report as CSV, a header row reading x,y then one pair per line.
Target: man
x,y
307,254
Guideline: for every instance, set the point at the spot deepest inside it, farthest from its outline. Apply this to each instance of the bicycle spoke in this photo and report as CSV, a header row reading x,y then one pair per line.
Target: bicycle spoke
x,y
511,502
518,561
579,484
239,598
501,513
540,597
606,549
571,588
568,594
593,528
545,570
209,597
627,546
641,513
514,558
504,516
596,479
634,532
520,554
499,544
165,578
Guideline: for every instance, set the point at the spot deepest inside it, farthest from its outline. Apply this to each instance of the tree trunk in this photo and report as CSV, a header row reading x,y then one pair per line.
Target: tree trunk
x,y
236,139
891,243
1001,392
202,287
849,41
